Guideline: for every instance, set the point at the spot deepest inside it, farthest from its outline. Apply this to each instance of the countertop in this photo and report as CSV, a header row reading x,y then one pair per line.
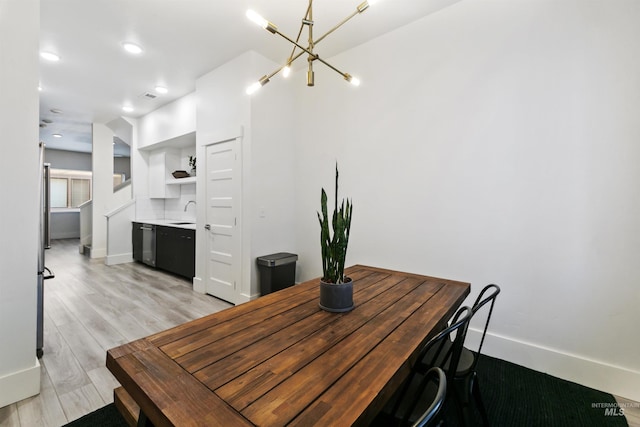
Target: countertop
x,y
177,223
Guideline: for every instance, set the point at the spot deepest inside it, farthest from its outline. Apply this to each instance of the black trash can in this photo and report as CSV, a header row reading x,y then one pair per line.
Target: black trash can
x,y
277,271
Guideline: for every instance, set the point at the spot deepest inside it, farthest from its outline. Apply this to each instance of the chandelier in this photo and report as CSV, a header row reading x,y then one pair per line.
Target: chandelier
x,y
309,49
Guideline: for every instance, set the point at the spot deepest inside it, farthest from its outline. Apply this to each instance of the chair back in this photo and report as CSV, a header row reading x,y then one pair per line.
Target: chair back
x,y
438,376
442,351
487,297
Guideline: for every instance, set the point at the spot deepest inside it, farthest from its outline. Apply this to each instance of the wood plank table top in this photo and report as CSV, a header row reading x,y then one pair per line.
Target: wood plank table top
x,y
281,360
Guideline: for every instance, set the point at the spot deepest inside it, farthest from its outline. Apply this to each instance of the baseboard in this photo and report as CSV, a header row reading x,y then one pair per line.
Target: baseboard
x,y
20,385
98,252
198,285
242,298
65,235
119,259
590,373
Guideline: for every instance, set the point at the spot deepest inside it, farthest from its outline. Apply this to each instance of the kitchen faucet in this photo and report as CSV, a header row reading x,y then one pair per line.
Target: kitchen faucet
x,y
190,201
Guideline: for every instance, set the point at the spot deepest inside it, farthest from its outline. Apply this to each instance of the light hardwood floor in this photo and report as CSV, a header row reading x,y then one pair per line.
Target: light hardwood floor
x,y
91,307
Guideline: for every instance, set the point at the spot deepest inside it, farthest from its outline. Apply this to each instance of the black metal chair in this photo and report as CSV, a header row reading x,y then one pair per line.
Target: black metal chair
x,y
466,374
466,379
429,415
406,407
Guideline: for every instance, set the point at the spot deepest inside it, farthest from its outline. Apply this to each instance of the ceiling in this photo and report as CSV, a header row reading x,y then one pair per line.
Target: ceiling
x,y
182,40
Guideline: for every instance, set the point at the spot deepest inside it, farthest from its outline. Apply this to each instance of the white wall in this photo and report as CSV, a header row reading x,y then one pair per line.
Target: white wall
x,y
119,244
496,141
102,187
272,198
65,224
19,30
225,111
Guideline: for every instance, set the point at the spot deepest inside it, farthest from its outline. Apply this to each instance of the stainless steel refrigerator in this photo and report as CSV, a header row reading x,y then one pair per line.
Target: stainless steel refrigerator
x,y
44,242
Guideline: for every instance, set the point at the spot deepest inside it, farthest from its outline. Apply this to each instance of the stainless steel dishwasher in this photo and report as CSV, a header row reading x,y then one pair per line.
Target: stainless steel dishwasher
x,y
149,244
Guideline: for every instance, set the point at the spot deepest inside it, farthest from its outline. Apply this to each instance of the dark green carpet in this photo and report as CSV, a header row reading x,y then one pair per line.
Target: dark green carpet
x,y
513,395
517,396
107,416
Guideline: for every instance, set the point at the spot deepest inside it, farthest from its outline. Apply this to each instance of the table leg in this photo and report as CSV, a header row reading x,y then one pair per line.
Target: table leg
x,y
143,421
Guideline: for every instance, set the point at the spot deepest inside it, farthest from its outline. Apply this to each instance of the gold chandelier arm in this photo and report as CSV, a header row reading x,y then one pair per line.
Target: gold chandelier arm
x,y
307,20
266,78
345,75
293,51
294,43
285,65
361,8
293,58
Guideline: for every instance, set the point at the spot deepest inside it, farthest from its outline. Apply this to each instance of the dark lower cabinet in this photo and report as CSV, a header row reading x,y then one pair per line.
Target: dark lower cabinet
x,y
186,265
165,254
175,249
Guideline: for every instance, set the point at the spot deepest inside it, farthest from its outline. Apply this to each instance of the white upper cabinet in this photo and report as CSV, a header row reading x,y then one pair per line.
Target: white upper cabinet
x,y
168,122
161,164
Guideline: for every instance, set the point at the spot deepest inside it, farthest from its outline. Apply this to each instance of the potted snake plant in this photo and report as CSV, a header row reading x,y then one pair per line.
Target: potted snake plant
x,y
336,290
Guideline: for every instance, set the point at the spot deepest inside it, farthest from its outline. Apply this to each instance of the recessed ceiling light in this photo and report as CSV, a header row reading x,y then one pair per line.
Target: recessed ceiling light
x,y
50,56
132,48
161,89
56,135
39,88
55,111
127,109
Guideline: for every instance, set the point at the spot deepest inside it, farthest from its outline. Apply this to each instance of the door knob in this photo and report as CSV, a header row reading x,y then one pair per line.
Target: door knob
x,y
207,227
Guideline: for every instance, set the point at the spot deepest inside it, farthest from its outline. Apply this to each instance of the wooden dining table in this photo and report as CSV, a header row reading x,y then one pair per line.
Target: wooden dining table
x,y
281,360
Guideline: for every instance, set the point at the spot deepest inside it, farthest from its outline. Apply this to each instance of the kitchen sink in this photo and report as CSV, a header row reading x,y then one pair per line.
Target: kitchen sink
x,y
182,223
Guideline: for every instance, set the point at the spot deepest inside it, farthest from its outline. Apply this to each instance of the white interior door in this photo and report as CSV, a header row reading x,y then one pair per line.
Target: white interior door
x,y
222,222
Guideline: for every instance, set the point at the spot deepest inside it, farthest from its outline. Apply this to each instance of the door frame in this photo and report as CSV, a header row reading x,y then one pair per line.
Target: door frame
x,y
242,289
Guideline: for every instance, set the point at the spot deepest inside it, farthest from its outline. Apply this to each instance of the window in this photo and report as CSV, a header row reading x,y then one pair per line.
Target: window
x,y
69,188
59,192
80,191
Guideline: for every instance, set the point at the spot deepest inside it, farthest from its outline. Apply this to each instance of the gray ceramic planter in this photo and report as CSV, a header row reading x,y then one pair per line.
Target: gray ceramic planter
x,y
336,298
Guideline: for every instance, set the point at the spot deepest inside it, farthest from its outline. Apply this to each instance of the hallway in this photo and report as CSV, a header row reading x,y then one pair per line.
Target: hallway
x,y
88,308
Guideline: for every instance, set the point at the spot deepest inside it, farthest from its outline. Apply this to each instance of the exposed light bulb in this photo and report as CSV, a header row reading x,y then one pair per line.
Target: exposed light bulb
x,y
353,80
257,85
255,17
132,48
286,71
253,88
50,56
365,5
